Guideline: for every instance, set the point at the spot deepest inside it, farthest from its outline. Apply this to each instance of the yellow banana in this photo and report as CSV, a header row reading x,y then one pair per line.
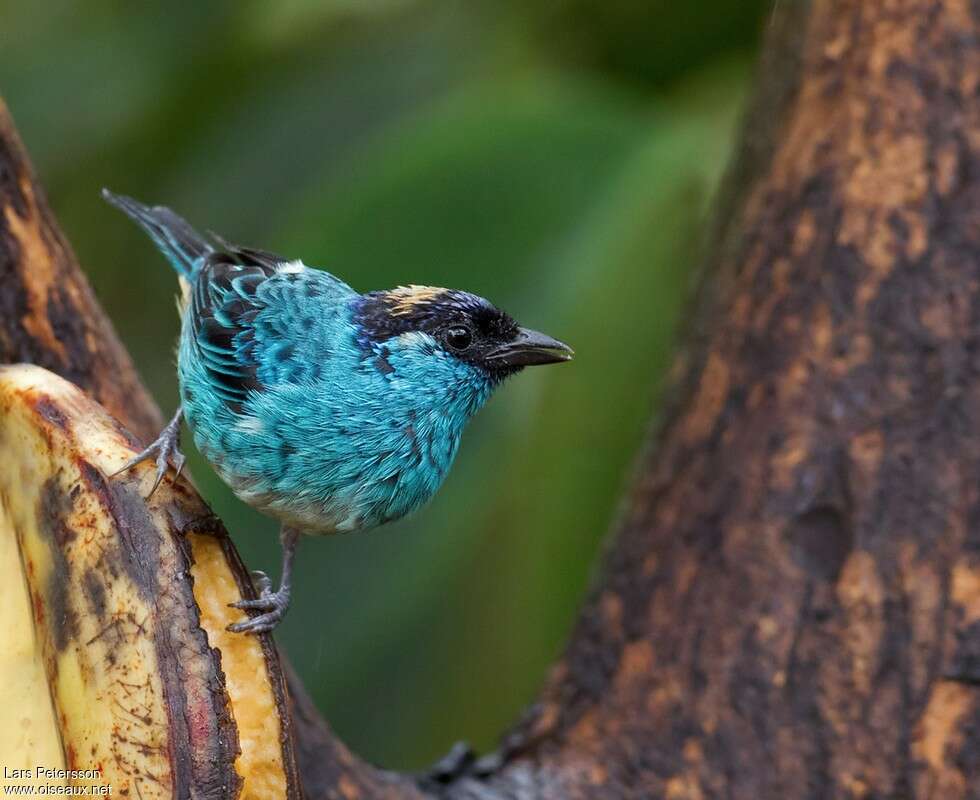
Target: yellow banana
x,y
117,670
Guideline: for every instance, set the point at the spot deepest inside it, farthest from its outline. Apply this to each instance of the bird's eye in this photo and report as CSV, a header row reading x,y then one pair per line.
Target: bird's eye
x,y
459,338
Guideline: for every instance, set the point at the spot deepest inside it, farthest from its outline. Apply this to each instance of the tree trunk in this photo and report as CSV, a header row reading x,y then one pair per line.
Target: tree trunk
x,y
791,605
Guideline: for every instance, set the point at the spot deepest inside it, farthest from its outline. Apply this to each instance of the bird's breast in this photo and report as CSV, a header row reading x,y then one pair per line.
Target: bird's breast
x,y
328,470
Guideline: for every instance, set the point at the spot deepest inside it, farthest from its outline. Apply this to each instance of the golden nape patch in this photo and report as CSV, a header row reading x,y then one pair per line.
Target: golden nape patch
x,y
405,299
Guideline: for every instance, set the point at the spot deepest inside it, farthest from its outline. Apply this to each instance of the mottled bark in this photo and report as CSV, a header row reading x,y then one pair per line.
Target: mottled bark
x,y
791,605
791,608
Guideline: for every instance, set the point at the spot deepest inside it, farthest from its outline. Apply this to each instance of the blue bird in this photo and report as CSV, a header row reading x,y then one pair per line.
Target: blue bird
x,y
327,409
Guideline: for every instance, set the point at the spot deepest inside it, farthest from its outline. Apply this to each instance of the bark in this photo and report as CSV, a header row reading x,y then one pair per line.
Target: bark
x,y
790,607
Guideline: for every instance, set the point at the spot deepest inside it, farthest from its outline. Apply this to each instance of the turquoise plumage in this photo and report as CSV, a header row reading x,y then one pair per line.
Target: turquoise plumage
x,y
331,411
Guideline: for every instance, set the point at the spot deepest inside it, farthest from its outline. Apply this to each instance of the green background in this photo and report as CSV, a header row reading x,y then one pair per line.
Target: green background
x,y
556,156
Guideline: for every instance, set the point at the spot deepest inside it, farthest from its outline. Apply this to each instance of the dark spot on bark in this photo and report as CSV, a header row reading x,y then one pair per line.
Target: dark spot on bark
x,y
138,552
125,435
69,329
95,593
820,542
10,191
192,515
109,563
50,412
965,663
54,508
15,344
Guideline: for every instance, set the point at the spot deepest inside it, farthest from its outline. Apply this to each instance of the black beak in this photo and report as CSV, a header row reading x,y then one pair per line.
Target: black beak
x,y
529,348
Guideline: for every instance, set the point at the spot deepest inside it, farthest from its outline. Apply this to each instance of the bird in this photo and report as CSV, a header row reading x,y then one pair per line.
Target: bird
x,y
326,409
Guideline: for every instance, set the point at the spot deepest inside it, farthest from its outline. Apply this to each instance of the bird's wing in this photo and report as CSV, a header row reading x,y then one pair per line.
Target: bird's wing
x,y
250,316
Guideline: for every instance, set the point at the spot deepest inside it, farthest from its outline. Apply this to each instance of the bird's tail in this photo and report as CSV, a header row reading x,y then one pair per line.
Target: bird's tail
x,y
184,247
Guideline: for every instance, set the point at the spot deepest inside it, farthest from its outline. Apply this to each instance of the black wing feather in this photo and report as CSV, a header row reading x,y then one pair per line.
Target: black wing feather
x,y
224,304
239,255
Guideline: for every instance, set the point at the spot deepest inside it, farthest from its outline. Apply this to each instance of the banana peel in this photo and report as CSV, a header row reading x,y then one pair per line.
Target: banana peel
x,y
117,670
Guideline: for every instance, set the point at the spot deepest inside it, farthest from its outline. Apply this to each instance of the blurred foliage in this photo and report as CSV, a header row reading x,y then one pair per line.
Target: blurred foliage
x,y
554,155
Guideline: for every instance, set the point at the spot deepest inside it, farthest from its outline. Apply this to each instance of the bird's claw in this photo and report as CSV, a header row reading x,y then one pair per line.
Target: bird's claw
x,y
165,457
179,460
460,762
451,766
263,601
263,623
274,604
164,451
262,581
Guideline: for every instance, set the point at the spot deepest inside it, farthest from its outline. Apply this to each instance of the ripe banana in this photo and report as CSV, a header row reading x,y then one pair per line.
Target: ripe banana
x,y
116,663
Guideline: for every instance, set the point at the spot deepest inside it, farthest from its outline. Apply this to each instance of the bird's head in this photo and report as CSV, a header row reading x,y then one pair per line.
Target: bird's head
x,y
456,325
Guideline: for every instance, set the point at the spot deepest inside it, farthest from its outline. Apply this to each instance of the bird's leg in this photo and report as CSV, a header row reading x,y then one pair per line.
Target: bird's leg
x,y
461,762
165,449
274,604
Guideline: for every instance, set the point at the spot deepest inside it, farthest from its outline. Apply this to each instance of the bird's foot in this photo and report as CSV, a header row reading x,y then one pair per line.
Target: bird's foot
x,y
459,763
164,451
452,766
273,604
